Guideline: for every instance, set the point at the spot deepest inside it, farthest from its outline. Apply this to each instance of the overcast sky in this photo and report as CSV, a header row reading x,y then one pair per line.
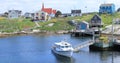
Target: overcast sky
x,y
64,6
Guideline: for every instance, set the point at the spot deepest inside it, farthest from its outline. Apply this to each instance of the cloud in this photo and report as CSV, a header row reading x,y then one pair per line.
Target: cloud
x,y
63,5
61,2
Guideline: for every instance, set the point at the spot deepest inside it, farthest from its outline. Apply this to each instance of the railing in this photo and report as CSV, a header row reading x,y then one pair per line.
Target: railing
x,y
82,45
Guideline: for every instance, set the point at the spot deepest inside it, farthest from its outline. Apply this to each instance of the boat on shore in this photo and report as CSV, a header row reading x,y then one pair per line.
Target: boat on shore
x,y
63,48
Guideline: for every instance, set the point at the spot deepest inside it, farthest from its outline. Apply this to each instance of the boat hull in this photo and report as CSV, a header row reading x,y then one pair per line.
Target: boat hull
x,y
62,53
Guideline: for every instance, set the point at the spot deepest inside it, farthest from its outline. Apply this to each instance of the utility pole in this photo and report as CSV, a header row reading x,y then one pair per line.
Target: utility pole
x,y
112,31
112,35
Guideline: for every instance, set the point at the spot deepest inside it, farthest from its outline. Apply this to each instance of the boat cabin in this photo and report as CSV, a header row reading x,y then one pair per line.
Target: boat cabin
x,y
62,46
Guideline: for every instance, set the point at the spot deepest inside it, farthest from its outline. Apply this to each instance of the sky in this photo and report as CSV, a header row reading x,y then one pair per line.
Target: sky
x,y
64,6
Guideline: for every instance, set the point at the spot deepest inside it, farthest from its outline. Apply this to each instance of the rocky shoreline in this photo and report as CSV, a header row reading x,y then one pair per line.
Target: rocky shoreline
x,y
33,32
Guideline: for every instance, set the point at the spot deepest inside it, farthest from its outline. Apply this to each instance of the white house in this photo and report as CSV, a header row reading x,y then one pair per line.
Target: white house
x,y
28,15
41,15
14,13
76,12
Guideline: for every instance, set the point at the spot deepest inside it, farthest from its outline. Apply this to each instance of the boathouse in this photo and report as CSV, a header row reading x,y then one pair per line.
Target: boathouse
x,y
96,21
82,29
107,8
83,25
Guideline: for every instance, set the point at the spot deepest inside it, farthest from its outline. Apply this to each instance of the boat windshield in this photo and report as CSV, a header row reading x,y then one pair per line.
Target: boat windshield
x,y
65,46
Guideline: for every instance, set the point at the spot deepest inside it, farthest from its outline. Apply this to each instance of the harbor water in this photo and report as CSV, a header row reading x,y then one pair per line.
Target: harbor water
x,y
37,49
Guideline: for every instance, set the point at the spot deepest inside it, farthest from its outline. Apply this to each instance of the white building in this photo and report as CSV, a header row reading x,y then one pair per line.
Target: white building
x,y
28,15
40,15
76,13
14,13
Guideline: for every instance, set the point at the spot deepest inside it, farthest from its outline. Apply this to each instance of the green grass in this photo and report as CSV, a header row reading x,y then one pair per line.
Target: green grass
x,y
12,25
59,25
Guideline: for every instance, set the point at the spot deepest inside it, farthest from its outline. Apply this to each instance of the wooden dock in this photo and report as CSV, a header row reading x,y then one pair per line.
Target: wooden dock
x,y
117,36
82,45
78,33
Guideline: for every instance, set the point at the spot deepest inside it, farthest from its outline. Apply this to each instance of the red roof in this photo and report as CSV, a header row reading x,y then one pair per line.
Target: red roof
x,y
48,10
54,11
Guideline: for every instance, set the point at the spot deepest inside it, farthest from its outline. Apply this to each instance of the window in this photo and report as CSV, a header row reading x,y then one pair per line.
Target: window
x,y
62,46
66,46
92,21
37,14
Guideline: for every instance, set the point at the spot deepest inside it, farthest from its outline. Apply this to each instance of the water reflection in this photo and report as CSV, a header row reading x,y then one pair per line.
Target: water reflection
x,y
61,59
105,56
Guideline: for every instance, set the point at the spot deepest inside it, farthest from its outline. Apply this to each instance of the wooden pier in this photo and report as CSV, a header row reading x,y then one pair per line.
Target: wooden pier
x,y
117,36
78,33
116,46
82,45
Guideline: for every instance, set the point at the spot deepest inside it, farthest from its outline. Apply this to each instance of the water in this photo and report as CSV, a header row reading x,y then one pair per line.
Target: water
x,y
37,49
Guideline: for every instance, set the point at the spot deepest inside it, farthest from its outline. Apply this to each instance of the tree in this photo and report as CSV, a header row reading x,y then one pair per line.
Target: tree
x,y
5,14
118,10
58,13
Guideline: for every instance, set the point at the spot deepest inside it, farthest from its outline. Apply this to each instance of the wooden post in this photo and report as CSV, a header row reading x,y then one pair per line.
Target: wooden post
x,y
93,36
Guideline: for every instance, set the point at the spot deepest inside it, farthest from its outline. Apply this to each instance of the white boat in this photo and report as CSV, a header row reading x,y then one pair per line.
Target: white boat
x,y
63,48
